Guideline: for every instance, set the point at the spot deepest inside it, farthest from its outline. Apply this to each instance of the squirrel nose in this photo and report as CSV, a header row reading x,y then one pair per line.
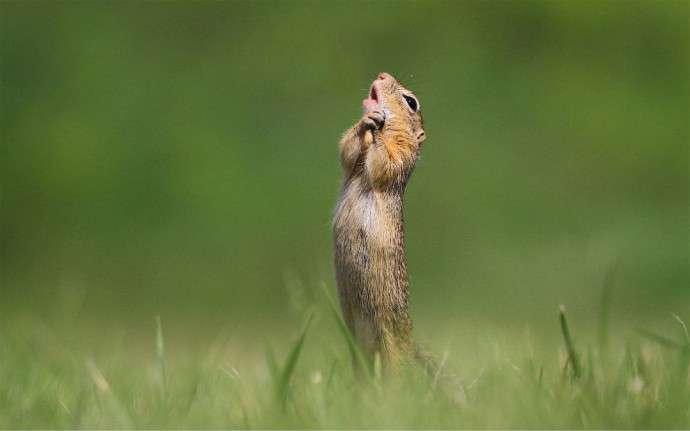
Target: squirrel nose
x,y
383,75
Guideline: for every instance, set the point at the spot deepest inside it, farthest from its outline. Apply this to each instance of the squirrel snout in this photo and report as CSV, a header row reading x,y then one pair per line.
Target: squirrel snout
x,y
382,76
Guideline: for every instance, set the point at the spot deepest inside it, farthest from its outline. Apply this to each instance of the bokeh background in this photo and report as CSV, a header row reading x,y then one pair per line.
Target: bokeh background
x,y
180,159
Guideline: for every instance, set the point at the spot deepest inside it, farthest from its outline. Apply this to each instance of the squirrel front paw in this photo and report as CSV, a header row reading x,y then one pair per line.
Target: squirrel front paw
x,y
374,120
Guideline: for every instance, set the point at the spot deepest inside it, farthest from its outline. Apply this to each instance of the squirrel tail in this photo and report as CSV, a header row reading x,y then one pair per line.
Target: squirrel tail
x,y
426,360
450,383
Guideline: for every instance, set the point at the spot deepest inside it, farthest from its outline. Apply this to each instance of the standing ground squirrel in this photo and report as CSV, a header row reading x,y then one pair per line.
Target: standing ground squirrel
x,y
378,155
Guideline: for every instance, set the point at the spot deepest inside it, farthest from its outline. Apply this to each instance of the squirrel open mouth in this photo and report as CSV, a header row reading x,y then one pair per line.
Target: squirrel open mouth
x,y
372,101
372,93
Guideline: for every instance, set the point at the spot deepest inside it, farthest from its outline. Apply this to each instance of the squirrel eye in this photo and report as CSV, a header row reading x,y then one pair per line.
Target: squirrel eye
x,y
411,102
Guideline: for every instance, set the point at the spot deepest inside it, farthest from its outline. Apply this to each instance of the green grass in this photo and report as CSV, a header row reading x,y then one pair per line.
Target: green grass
x,y
506,380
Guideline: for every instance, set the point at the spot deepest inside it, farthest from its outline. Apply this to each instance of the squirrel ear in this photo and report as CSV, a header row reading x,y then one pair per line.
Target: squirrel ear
x,y
421,136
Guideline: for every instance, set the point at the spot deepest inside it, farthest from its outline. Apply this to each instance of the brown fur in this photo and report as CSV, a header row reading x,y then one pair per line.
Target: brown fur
x,y
377,155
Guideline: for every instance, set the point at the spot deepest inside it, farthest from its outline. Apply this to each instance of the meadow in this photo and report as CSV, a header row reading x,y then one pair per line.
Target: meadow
x,y
176,162
491,378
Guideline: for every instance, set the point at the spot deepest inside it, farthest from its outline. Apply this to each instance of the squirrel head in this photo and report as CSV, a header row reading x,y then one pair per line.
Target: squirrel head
x,y
398,104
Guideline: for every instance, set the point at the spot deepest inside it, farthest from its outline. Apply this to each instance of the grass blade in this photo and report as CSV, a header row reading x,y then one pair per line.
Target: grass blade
x,y
359,359
570,347
434,382
160,352
660,339
605,310
271,360
685,329
113,408
377,368
289,368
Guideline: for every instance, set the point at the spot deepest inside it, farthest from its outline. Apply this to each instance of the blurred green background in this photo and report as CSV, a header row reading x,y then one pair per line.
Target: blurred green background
x,y
180,158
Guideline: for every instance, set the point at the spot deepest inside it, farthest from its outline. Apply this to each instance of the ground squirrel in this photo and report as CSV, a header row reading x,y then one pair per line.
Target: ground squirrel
x,y
378,155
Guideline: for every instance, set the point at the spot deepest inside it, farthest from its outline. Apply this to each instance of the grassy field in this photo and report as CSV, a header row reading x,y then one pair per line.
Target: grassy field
x,y
495,377
180,159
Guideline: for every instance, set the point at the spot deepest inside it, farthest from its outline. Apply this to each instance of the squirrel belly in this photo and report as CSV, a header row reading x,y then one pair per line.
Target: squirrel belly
x,y
378,155
372,277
